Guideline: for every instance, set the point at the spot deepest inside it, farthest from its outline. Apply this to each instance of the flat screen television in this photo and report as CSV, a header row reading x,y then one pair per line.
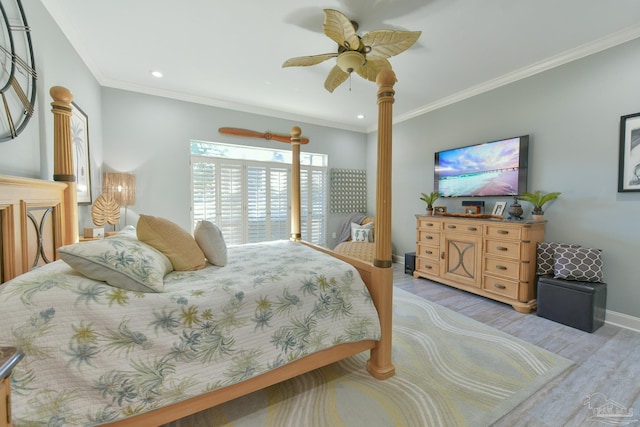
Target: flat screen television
x,y
496,168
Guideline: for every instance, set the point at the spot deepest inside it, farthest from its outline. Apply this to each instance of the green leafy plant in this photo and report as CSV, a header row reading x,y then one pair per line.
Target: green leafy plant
x,y
538,199
430,198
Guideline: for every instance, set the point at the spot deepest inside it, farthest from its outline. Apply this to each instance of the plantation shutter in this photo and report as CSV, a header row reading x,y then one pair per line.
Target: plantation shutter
x,y
257,214
203,177
250,201
279,203
313,190
231,207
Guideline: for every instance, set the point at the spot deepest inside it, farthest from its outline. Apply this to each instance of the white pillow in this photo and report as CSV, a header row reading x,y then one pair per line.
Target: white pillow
x,y
362,233
211,242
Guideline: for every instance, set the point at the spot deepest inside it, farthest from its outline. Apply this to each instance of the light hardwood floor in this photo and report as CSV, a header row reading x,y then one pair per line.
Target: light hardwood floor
x,y
606,363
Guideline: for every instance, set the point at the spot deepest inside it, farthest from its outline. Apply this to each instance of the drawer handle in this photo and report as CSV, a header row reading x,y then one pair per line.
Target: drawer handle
x,y
501,267
472,228
499,286
429,224
503,232
428,267
428,237
442,255
502,248
428,252
451,226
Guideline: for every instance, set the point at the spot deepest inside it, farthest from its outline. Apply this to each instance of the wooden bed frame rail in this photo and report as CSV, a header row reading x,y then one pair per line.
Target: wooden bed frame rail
x,y
46,213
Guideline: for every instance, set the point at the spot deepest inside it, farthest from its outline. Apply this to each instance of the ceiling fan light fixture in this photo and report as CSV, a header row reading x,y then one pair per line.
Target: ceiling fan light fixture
x,y
350,61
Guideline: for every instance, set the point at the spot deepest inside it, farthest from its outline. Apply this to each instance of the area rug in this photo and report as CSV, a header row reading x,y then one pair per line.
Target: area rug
x,y
450,371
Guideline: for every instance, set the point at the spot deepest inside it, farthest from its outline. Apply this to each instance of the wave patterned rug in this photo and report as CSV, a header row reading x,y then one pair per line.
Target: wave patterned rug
x,y
450,371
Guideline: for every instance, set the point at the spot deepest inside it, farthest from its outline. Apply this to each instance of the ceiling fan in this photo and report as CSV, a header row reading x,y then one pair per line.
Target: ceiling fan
x,y
366,55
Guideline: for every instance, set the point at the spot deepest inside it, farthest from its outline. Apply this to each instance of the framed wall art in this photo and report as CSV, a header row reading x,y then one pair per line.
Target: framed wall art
x,y
81,159
629,167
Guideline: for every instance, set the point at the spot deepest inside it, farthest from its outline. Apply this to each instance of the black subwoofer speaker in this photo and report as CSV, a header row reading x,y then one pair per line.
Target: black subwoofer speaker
x,y
409,262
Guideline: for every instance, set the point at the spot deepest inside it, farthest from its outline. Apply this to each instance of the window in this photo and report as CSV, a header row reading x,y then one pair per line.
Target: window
x,y
245,191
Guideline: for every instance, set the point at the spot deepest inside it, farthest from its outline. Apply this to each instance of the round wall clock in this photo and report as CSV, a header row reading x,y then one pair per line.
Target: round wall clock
x,y
17,71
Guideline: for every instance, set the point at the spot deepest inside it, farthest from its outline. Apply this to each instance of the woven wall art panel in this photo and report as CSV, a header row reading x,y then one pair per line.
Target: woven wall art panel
x,y
348,190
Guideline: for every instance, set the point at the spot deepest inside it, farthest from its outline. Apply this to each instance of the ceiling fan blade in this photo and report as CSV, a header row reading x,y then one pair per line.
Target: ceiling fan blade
x,y
335,78
386,43
371,69
340,29
264,135
304,61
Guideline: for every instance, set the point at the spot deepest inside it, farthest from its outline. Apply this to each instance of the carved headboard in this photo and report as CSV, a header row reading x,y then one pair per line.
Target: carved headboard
x,y
32,223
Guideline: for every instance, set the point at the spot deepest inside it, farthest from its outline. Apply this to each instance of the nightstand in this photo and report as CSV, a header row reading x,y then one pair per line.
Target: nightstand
x,y
9,357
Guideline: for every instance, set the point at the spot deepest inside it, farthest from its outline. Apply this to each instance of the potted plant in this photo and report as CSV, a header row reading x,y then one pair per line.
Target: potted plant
x,y
538,199
429,199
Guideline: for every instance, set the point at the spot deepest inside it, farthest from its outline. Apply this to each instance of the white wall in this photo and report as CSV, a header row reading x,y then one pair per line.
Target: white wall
x,y
57,63
149,136
572,114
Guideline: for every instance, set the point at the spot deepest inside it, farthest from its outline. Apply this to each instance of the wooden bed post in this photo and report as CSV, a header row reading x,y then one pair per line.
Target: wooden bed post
x,y
63,167
380,365
296,234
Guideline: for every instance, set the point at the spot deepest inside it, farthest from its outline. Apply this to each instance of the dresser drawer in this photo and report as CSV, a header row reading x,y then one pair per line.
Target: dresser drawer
x,y
503,232
428,237
428,224
428,266
507,288
427,251
462,227
507,249
502,267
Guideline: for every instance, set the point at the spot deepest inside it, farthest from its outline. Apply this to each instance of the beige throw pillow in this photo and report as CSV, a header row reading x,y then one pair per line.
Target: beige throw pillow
x,y
211,241
172,240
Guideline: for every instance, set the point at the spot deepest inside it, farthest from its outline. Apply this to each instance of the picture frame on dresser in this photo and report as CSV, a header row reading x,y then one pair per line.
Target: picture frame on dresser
x,y
81,157
438,210
498,208
629,163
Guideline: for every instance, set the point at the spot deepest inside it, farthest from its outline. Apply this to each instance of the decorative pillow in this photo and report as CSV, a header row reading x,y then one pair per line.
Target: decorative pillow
x,y
211,241
172,240
370,222
582,264
361,233
546,254
123,262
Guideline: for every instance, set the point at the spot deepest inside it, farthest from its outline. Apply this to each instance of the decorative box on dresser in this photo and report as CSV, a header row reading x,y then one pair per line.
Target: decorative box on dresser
x,y
490,257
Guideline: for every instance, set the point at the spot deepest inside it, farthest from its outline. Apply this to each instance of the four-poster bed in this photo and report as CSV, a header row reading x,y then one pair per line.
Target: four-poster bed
x,y
37,217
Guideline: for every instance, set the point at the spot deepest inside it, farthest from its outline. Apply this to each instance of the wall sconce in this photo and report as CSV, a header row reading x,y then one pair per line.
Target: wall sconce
x,y
122,187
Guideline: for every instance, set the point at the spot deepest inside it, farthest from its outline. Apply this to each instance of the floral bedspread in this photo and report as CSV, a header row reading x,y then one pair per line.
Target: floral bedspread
x,y
96,353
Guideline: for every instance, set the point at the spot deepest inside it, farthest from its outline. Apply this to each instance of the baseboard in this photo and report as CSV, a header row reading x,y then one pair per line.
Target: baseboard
x,y
612,317
622,320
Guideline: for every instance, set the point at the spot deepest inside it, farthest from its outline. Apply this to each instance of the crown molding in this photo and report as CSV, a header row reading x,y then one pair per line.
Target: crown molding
x,y
604,43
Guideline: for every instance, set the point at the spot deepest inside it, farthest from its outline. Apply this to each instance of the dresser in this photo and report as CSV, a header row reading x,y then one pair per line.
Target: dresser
x,y
489,257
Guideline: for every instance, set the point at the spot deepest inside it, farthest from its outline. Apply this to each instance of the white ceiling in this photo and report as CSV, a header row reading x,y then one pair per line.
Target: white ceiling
x,y
230,53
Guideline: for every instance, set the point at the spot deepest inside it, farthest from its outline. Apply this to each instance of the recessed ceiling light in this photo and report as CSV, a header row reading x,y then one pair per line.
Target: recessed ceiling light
x,y
157,74
360,116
